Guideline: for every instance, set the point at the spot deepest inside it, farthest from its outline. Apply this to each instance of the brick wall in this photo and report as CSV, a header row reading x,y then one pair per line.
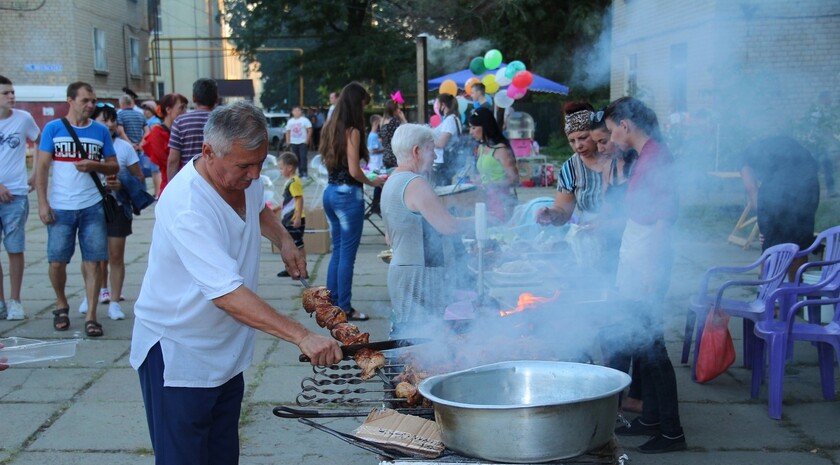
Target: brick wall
x,y
53,45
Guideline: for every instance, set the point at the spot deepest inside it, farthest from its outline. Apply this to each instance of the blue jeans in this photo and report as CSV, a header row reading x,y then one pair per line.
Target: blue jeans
x,y
89,223
345,209
13,217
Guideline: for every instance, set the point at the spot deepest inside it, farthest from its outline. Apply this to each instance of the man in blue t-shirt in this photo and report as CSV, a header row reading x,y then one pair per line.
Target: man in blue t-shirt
x,y
74,204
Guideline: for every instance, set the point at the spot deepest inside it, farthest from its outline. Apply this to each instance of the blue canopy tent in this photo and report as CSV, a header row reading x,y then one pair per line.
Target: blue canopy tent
x,y
540,83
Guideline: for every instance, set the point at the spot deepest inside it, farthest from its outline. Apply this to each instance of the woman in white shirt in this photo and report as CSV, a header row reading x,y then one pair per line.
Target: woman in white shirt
x,y
445,134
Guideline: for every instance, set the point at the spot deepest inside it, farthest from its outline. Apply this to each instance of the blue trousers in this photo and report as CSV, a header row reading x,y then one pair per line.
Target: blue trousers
x,y
191,426
344,206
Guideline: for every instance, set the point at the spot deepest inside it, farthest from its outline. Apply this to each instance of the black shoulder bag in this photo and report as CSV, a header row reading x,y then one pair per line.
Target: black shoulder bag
x,y
109,203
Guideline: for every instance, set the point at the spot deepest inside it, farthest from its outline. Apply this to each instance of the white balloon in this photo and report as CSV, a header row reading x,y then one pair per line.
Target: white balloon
x,y
501,79
463,104
502,100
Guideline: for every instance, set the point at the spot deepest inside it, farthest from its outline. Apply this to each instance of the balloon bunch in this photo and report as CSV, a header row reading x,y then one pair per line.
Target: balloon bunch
x,y
507,84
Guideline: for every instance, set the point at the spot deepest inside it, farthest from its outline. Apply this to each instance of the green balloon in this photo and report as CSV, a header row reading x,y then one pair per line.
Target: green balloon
x,y
514,67
492,59
477,65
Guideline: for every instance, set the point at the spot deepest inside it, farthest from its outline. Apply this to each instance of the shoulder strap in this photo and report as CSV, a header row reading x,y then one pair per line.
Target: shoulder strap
x,y
84,155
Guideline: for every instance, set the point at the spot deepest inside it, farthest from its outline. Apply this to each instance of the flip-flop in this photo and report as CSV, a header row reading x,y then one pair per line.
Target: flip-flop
x,y
355,315
61,320
93,329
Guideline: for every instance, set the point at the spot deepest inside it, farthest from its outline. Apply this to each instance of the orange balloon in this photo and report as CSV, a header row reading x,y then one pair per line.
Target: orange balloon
x,y
468,85
449,87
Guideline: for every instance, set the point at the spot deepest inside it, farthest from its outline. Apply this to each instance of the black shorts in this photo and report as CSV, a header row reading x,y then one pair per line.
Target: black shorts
x,y
120,227
297,233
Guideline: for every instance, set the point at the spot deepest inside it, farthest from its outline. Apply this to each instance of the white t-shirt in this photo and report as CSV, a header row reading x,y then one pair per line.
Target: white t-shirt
x,y
71,189
296,127
14,131
201,250
450,126
126,155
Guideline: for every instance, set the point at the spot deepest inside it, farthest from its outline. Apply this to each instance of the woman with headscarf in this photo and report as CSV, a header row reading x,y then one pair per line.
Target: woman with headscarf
x,y
342,151
644,269
416,221
580,187
495,164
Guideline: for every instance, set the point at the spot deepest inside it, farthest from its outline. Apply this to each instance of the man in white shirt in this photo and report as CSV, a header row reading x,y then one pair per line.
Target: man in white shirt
x,y
198,307
333,100
16,126
298,132
74,205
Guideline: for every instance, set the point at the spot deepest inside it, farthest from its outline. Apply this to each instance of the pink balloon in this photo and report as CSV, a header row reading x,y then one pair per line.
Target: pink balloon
x,y
435,121
515,93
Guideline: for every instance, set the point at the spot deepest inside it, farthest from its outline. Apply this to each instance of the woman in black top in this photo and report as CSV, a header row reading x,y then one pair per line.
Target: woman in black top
x,y
342,151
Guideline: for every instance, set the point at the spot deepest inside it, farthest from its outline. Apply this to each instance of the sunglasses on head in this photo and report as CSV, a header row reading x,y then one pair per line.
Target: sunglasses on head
x,y
104,104
596,117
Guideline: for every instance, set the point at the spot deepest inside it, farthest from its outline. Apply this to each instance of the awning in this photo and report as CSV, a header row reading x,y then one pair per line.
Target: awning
x,y
540,83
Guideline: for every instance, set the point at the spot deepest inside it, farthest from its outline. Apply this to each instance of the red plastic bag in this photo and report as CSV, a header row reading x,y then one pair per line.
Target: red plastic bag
x,y
716,352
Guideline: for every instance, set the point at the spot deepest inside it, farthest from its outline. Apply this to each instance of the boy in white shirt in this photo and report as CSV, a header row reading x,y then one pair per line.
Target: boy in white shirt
x,y
298,132
16,126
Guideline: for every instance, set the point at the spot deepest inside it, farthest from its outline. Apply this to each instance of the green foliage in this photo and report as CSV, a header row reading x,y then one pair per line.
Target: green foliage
x,y
374,42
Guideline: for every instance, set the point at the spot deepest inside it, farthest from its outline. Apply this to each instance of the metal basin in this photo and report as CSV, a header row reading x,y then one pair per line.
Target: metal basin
x,y
526,411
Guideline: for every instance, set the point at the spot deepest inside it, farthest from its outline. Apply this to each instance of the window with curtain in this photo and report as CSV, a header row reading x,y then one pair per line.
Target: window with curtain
x,y
100,54
134,56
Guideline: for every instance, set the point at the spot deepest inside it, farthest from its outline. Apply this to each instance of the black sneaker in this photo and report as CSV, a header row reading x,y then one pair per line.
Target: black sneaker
x,y
661,444
283,274
638,428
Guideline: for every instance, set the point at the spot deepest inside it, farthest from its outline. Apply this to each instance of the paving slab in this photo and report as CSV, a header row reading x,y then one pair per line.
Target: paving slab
x,y
97,426
21,420
77,457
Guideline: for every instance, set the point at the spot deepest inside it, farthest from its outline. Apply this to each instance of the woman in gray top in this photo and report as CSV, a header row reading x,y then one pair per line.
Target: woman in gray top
x,y
415,220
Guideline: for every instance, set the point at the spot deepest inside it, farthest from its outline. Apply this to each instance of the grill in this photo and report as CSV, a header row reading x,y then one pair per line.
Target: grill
x,y
338,391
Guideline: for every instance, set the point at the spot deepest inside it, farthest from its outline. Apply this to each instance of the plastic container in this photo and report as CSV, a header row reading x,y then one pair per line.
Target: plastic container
x,y
17,350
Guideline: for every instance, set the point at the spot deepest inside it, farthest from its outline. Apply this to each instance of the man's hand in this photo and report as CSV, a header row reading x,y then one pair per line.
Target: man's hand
x,y
294,260
87,166
5,195
296,223
321,350
112,183
45,213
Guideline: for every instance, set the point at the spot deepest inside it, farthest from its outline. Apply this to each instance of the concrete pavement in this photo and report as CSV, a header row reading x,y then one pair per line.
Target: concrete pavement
x,y
88,409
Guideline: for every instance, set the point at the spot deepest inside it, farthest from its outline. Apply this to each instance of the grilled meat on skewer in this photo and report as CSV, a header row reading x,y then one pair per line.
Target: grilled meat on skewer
x,y
328,317
363,338
344,332
314,297
369,360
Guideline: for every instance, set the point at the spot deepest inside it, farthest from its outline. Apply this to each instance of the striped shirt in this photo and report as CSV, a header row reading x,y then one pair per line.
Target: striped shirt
x,y
188,134
132,123
584,183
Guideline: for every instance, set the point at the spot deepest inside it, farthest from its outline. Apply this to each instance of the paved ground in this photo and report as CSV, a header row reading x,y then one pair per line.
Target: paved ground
x,y
88,409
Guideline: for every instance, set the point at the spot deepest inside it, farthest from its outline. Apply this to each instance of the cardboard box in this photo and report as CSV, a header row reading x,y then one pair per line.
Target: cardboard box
x,y
407,433
316,237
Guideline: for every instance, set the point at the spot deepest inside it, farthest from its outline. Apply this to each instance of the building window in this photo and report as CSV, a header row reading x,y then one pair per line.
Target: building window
x,y
679,78
100,52
632,85
155,17
134,56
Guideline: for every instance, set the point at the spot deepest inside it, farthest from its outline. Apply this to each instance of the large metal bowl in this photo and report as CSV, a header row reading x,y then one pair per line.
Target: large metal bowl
x,y
526,411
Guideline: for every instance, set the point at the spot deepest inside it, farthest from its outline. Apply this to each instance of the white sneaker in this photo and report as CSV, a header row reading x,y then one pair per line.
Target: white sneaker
x,y
115,311
15,311
104,296
83,308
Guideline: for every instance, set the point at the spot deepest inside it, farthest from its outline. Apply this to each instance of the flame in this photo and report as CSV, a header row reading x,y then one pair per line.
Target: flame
x,y
528,300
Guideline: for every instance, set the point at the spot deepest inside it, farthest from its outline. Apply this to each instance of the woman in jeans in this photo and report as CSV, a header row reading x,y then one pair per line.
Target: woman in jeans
x,y
342,151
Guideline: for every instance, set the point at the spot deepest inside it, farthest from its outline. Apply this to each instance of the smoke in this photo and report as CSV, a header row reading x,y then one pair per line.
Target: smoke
x,y
448,56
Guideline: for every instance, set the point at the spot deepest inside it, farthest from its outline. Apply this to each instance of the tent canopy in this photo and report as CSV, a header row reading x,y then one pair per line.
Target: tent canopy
x,y
540,83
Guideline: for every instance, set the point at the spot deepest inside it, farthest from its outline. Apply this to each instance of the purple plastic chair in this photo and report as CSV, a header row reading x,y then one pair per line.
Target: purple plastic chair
x,y
774,263
777,337
831,255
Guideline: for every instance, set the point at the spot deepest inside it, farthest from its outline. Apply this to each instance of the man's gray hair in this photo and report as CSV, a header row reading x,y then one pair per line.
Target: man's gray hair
x,y
406,137
240,122
125,100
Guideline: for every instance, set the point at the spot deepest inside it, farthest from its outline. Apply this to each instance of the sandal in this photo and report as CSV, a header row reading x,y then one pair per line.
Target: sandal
x,y
61,320
93,329
355,315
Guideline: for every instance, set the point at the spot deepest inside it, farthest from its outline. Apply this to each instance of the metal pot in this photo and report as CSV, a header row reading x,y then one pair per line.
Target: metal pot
x,y
526,411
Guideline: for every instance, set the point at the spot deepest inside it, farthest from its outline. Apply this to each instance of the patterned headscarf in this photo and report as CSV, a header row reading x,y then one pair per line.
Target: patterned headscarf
x,y
578,121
